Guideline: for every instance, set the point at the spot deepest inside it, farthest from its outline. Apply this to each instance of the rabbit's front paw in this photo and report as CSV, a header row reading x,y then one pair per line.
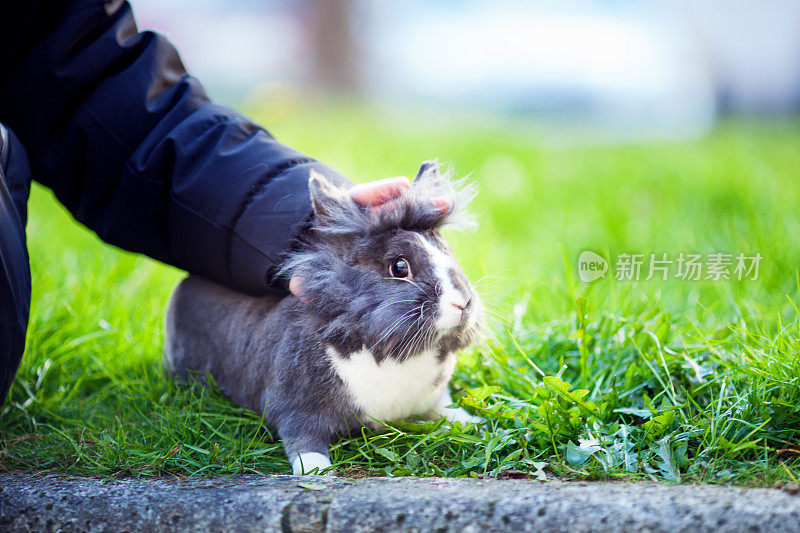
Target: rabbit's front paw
x,y
310,463
445,408
460,415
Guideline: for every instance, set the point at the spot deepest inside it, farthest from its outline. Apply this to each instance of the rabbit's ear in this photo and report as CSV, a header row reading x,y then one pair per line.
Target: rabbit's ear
x,y
428,172
296,288
328,201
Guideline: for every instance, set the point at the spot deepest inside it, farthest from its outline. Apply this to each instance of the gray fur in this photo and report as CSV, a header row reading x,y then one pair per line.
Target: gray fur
x,y
269,353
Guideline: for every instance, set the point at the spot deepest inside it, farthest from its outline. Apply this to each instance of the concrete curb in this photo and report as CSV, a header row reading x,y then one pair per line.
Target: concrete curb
x,y
286,503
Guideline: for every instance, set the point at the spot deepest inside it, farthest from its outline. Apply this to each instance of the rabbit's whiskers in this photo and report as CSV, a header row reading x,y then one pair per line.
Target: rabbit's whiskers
x,y
399,348
408,281
393,328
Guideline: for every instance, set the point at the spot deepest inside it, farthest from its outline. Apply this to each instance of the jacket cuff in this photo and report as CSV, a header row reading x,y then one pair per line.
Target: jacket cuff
x,y
274,217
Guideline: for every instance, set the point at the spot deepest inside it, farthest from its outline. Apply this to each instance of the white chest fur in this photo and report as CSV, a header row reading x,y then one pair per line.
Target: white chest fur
x,y
393,391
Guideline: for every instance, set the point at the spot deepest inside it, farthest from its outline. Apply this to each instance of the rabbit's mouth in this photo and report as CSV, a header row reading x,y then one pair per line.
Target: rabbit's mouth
x,y
464,327
452,315
466,314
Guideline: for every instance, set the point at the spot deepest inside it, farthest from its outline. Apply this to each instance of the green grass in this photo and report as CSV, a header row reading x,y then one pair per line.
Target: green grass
x,y
669,380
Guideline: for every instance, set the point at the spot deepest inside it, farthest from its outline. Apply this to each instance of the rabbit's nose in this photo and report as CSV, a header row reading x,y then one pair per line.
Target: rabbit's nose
x,y
458,312
452,313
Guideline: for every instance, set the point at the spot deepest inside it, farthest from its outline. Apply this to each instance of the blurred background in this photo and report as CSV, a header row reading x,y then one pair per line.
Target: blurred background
x,y
606,69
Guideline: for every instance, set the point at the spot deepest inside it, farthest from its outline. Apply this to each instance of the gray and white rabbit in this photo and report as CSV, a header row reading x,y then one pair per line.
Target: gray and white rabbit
x,y
372,337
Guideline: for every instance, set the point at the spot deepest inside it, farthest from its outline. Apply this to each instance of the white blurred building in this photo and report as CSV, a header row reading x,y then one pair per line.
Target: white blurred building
x,y
664,66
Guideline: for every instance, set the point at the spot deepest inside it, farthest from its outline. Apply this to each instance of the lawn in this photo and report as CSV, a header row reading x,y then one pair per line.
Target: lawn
x,y
676,380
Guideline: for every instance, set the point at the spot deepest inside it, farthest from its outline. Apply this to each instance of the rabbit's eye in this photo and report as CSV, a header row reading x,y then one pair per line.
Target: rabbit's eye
x,y
399,268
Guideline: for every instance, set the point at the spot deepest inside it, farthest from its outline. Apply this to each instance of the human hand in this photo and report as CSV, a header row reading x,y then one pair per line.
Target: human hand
x,y
378,192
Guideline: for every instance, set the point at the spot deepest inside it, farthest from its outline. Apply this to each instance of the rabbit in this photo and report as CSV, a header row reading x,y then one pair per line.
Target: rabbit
x,y
380,309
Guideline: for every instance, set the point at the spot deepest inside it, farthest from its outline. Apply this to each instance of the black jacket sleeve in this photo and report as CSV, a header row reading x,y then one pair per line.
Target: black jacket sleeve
x,y
132,146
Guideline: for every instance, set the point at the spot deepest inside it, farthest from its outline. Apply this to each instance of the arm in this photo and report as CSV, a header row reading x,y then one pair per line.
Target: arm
x,y
132,146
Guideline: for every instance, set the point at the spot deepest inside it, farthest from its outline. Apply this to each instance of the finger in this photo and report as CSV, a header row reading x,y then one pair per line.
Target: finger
x,y
441,204
385,207
379,191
